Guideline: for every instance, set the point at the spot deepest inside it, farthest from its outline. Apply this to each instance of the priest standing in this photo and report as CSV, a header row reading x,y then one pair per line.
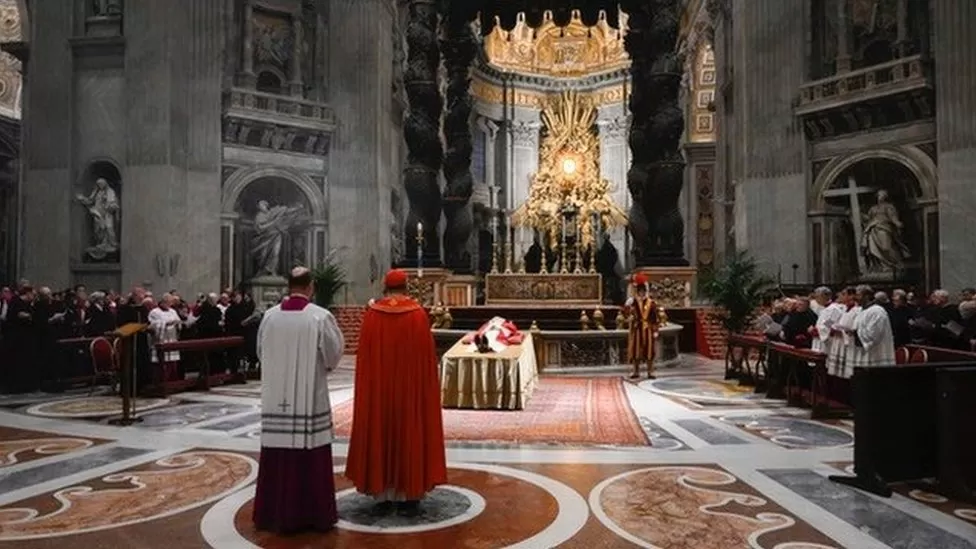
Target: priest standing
x,y
298,344
874,342
396,449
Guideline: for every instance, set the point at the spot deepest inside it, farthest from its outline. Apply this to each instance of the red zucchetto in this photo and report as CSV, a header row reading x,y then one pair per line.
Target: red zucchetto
x,y
395,279
640,279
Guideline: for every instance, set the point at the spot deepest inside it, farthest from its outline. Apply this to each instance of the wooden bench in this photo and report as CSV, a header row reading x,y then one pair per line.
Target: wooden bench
x,y
200,350
739,367
900,433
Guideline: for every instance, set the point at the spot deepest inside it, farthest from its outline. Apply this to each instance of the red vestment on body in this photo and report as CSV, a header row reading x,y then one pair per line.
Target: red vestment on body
x,y
396,449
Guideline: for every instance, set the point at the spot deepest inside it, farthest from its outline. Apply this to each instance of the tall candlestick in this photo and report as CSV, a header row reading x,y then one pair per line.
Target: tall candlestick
x,y
543,243
420,249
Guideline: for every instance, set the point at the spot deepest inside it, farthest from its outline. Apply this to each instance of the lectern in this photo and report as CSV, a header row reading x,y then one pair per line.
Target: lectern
x,y
127,334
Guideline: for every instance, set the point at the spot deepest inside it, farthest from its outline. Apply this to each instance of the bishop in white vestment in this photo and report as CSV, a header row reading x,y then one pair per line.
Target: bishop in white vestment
x,y
842,349
298,344
164,324
875,341
827,317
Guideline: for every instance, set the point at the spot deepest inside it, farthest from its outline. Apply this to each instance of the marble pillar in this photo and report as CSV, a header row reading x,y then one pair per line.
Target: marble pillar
x,y
613,124
46,239
954,49
771,197
523,135
422,131
364,158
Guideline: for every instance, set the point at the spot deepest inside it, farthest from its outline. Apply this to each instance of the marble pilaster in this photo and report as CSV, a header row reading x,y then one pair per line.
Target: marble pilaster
x,y
45,240
360,173
954,49
771,195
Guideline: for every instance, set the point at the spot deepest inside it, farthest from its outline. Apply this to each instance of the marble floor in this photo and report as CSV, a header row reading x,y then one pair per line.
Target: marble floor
x,y
722,469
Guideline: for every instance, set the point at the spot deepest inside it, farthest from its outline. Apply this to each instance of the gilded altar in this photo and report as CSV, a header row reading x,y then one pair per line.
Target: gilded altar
x,y
537,289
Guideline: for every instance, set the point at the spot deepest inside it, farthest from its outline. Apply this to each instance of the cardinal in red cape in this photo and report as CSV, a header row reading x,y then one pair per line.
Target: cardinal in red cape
x,y
396,449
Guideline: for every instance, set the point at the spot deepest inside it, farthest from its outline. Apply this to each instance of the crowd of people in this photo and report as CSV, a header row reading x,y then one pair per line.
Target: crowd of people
x,y
935,321
33,321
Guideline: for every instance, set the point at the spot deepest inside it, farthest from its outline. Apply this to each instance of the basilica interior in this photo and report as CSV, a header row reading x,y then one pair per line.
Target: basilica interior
x,y
519,159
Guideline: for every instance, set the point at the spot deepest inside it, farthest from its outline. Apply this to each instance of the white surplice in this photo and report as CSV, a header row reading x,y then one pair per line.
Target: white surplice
x,y
297,349
165,328
826,319
842,349
877,343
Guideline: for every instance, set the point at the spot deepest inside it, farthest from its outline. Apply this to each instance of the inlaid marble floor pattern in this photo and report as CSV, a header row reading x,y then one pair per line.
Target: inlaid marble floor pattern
x,y
723,469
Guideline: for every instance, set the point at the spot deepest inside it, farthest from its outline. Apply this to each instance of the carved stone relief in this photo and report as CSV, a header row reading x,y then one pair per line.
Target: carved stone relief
x,y
525,134
10,78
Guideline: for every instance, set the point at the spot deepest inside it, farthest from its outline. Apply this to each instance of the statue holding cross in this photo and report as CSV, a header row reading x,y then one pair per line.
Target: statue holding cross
x,y
877,234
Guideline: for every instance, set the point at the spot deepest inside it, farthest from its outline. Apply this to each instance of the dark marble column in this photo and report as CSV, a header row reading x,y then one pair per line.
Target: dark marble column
x,y
459,48
656,173
422,132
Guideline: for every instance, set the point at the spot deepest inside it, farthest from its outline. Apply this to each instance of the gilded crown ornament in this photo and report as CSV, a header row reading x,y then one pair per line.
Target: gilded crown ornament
x,y
571,50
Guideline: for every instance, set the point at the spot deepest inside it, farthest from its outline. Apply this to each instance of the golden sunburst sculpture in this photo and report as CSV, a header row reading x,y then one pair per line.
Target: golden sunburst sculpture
x,y
568,182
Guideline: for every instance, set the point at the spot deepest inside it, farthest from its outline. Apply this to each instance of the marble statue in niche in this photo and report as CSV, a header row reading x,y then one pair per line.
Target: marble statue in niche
x,y
104,209
271,227
106,8
882,244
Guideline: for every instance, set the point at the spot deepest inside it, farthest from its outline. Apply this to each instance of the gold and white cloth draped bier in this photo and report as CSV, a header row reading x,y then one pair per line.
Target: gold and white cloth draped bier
x,y
488,381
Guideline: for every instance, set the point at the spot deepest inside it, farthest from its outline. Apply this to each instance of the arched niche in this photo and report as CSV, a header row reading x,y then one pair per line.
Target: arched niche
x,y
303,237
97,212
858,238
270,80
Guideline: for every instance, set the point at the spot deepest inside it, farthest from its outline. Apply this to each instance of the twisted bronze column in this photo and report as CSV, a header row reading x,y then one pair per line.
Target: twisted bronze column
x,y
656,174
459,47
422,133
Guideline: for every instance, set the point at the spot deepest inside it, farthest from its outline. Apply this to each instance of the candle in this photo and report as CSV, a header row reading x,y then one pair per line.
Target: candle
x,y
420,228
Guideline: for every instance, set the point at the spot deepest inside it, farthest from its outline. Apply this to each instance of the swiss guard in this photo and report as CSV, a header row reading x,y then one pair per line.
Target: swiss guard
x,y
645,320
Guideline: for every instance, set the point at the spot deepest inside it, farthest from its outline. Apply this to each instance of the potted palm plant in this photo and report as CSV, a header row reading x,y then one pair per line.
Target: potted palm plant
x,y
736,290
330,279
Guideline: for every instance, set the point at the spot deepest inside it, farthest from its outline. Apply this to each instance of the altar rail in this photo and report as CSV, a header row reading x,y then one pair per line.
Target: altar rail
x,y
195,354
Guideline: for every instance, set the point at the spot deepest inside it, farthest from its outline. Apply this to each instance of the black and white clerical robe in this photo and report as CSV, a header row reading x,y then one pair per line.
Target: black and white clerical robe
x,y
297,349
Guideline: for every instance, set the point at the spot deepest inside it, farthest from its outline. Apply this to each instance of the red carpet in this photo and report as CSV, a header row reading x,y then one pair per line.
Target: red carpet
x,y
562,410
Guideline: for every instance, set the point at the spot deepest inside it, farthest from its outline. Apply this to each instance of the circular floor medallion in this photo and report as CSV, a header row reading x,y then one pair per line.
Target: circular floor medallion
x,y
219,531
649,506
92,407
707,391
444,507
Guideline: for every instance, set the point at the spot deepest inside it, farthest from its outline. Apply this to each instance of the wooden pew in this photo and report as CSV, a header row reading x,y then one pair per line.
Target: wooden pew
x,y
934,355
199,349
816,396
739,367
897,429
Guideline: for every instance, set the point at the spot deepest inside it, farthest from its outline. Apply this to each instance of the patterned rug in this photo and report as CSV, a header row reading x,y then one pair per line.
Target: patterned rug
x,y
562,410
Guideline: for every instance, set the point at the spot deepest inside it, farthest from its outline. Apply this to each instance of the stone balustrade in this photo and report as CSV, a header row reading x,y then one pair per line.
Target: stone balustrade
x,y
893,77
276,108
